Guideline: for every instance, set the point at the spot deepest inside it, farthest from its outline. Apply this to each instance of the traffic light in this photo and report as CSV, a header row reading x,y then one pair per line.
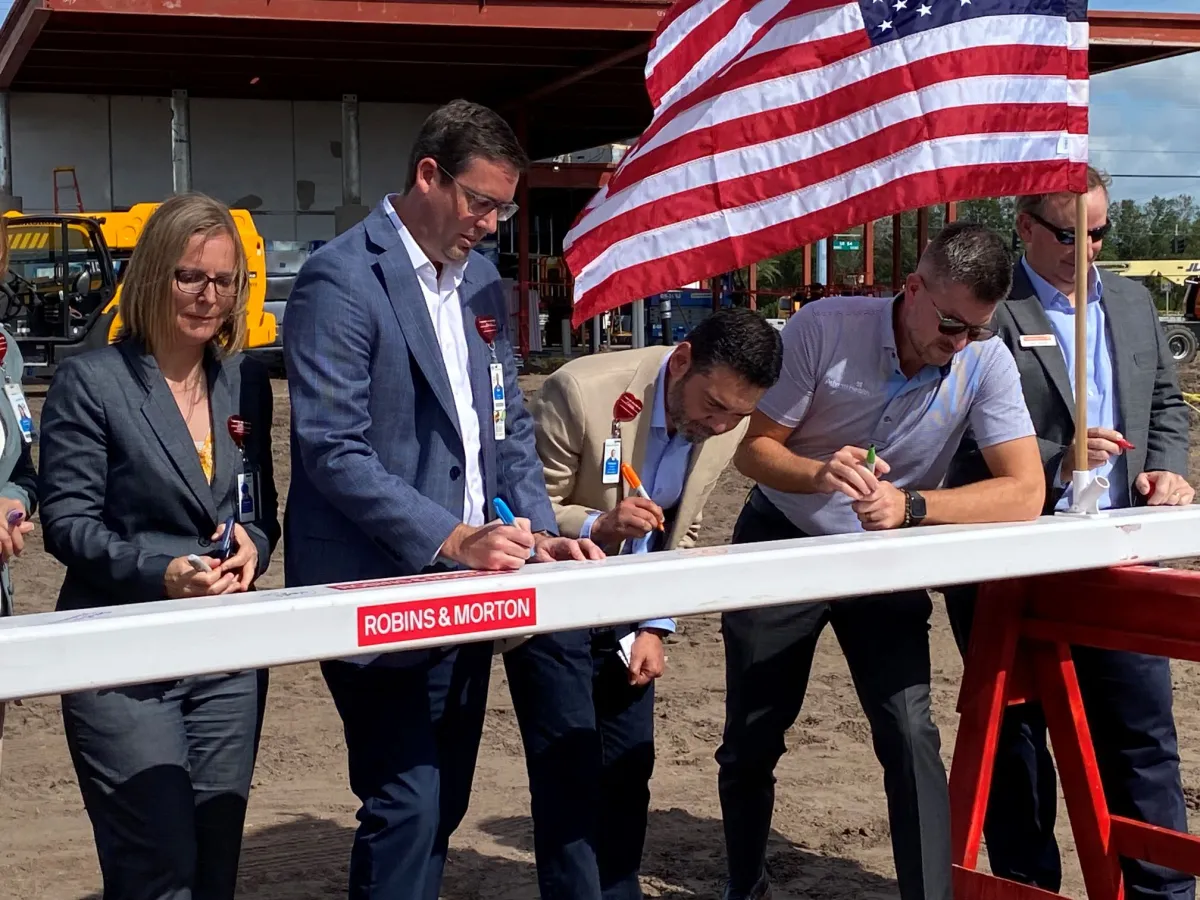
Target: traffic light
x,y
1178,243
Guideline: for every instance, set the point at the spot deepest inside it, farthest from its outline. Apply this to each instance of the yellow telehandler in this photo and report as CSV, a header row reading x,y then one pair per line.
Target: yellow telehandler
x,y
63,290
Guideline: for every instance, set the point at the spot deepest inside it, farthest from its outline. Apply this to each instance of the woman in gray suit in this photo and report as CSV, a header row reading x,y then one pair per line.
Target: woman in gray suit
x,y
149,448
18,477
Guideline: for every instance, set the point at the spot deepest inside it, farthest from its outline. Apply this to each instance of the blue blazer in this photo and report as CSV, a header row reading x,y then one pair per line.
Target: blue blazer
x,y
378,466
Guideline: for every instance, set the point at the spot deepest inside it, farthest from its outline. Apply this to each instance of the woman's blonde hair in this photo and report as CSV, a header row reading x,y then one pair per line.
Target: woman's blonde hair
x,y
147,304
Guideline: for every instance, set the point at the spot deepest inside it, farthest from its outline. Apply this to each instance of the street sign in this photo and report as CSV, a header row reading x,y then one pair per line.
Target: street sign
x,y
847,243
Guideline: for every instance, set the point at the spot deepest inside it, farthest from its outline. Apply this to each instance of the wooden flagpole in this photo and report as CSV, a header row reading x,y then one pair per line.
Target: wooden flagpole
x,y
1081,356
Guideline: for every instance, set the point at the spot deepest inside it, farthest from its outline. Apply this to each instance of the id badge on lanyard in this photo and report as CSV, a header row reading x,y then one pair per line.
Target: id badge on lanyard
x,y
248,486
16,399
488,328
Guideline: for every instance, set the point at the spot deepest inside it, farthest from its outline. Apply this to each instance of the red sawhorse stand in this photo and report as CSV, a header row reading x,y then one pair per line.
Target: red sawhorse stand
x,y
1020,649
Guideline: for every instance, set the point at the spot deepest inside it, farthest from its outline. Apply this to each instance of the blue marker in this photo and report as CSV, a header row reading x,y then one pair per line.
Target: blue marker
x,y
226,547
504,512
506,516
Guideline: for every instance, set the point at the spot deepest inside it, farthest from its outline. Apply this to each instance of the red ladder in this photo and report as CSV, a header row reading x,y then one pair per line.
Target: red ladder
x,y
73,184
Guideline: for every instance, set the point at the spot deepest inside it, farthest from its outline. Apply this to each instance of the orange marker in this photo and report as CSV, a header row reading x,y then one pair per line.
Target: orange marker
x,y
635,485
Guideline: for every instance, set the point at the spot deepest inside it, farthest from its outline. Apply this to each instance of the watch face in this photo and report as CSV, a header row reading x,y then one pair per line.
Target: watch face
x,y
918,506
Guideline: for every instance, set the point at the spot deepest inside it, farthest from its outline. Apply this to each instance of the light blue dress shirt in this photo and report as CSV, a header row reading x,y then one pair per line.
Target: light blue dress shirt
x,y
663,474
1102,389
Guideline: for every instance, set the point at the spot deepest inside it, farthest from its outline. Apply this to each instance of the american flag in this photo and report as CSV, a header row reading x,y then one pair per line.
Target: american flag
x,y
779,122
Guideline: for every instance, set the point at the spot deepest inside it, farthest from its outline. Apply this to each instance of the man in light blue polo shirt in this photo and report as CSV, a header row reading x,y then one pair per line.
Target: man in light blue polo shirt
x,y
907,375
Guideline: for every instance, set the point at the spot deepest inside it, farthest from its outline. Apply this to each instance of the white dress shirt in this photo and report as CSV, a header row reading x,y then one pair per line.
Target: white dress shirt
x,y
445,311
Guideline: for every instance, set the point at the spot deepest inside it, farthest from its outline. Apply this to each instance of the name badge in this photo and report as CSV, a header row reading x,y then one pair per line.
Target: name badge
x,y
247,494
611,473
499,409
1039,340
16,399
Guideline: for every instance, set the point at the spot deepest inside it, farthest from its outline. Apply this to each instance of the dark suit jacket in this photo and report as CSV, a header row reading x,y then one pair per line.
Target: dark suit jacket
x,y
378,466
122,491
1153,415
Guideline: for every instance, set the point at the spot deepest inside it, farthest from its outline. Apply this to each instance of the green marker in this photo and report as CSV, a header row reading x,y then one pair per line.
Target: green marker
x,y
871,459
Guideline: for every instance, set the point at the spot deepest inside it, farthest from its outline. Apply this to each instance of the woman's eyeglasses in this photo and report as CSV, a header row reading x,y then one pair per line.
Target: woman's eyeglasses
x,y
193,281
1066,236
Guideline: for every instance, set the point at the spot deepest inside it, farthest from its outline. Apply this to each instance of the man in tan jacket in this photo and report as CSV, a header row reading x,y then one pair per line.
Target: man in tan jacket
x,y
588,720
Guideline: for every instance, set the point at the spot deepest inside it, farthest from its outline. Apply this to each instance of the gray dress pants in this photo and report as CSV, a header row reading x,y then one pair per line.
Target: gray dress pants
x,y
768,657
165,772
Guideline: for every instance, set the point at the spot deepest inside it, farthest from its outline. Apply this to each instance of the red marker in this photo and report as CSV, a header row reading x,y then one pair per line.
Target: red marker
x,y
238,429
488,328
1125,445
627,408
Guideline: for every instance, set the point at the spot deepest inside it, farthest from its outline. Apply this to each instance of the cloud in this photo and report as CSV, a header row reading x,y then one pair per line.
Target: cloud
x,y
1145,125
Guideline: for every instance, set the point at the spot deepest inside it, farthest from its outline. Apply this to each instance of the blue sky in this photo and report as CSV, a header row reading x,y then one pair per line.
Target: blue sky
x,y
1145,120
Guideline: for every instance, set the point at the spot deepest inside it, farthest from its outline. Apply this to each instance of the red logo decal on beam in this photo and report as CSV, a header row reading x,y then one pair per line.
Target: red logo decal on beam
x,y
390,623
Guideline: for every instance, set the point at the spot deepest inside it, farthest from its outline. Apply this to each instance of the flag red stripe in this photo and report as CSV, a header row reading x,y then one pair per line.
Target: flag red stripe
x,y
733,193
807,57
674,11
737,192
689,51
911,192
684,56
757,128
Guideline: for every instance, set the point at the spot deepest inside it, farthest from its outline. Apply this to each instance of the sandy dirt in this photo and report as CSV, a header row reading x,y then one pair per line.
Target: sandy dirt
x,y
831,837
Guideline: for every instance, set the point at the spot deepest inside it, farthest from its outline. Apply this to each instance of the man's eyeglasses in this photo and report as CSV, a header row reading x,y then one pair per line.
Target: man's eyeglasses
x,y
193,281
953,327
1066,236
480,204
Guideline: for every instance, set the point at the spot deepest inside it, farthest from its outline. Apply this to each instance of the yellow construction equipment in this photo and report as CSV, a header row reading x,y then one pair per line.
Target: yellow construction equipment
x,y
1176,271
63,290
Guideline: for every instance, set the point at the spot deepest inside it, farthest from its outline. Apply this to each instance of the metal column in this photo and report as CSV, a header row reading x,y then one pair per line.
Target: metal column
x,y
352,211
523,266
7,200
351,154
637,325
181,142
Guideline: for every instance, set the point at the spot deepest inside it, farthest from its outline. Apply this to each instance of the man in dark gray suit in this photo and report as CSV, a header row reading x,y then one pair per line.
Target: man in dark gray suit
x,y
406,422
1138,439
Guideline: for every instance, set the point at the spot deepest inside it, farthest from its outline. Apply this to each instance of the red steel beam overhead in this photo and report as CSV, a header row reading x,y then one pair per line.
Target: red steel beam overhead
x,y
584,15
21,29
1144,29
588,176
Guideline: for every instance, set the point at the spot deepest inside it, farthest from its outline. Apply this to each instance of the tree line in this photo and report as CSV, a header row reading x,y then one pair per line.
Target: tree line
x,y
1159,228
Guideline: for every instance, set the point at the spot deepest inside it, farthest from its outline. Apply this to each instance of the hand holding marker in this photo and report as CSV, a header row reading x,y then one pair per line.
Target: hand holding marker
x,y
223,551
635,485
505,515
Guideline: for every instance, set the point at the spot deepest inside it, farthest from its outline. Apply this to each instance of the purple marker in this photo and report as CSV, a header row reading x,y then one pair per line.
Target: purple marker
x,y
14,518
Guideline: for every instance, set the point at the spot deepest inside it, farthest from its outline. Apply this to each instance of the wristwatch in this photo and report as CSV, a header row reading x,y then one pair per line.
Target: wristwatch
x,y
914,508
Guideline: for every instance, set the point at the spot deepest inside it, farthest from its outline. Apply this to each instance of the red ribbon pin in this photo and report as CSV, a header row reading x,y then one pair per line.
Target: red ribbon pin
x,y
488,328
3,347
238,429
627,408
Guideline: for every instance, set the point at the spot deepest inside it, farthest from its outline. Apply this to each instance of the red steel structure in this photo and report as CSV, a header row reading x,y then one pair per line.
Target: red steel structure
x,y
1021,650
568,73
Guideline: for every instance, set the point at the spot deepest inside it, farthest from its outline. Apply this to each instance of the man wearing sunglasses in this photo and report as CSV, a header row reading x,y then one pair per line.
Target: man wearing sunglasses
x,y
1138,439
907,375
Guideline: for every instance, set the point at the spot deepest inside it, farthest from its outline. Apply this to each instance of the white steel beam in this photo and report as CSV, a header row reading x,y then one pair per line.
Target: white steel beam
x,y
53,653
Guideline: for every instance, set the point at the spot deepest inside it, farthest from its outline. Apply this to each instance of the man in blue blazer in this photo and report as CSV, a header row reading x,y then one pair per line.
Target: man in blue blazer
x,y
406,422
